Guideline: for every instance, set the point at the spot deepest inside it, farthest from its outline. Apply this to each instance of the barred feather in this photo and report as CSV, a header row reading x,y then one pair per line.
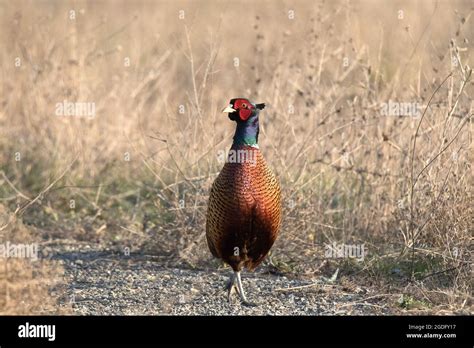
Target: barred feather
x,y
244,212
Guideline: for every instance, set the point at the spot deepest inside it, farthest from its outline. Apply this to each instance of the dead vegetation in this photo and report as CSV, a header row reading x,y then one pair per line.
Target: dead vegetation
x,y
28,285
137,175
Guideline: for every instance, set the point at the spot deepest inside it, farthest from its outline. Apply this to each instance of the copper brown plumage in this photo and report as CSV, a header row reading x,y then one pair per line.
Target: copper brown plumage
x,y
244,211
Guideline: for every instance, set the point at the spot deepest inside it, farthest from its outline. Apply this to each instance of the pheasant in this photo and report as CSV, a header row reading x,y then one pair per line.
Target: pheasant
x,y
244,210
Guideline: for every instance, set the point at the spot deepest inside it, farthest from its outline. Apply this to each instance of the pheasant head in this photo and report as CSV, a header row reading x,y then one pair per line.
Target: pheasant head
x,y
245,114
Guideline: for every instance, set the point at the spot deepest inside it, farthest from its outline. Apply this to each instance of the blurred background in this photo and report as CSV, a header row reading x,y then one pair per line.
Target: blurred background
x,y
135,171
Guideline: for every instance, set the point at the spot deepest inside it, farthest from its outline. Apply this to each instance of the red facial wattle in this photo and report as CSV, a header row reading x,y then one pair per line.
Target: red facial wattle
x,y
244,114
244,107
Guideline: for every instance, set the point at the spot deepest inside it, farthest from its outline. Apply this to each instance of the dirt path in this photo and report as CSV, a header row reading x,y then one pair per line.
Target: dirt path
x,y
103,282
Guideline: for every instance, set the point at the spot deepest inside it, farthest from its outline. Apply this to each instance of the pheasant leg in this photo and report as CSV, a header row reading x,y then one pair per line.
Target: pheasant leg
x,y
241,292
230,287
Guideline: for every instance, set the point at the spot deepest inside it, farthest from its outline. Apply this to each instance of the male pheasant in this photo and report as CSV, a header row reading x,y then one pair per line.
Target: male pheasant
x,y
244,211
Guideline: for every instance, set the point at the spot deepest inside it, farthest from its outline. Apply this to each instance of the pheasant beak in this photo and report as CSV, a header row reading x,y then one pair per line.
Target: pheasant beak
x,y
229,109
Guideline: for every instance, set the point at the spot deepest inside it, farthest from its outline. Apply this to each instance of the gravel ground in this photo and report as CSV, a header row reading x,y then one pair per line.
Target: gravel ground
x,y
103,282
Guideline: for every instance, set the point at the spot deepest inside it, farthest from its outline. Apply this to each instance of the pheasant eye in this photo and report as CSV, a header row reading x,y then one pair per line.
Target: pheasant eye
x,y
244,105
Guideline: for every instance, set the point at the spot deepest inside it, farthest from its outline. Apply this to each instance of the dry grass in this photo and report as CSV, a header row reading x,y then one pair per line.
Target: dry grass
x,y
138,173
27,286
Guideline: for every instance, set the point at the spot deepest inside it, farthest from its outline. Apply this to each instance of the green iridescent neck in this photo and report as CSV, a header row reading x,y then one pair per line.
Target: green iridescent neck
x,y
246,133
